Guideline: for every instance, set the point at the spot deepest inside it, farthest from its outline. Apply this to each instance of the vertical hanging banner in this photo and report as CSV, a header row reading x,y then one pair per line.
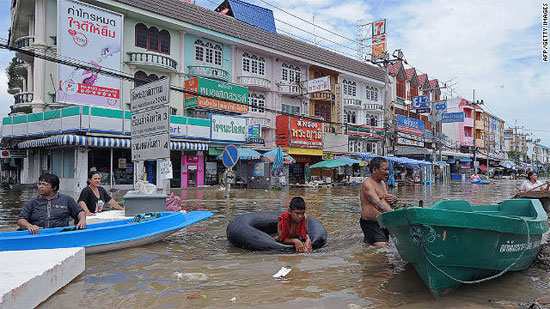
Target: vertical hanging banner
x,y
93,36
379,38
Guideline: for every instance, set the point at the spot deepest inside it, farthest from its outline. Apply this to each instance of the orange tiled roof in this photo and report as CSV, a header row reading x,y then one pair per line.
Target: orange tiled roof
x,y
422,79
409,73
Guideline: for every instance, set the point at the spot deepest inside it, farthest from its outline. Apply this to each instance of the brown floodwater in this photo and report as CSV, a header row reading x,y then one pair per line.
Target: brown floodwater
x,y
198,268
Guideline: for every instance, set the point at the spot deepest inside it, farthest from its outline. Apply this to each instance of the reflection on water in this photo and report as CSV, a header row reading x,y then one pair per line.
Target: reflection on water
x,y
197,267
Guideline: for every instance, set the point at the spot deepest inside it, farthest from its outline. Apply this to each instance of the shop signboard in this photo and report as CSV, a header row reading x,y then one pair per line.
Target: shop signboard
x,y
452,117
254,130
410,125
338,102
91,35
318,84
151,95
218,95
410,139
420,101
378,39
228,128
298,132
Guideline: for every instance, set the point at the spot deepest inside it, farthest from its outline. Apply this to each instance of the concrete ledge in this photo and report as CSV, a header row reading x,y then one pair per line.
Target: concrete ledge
x,y
27,278
106,216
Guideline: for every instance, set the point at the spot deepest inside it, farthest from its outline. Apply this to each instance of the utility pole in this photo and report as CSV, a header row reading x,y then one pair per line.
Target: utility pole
x,y
475,120
388,118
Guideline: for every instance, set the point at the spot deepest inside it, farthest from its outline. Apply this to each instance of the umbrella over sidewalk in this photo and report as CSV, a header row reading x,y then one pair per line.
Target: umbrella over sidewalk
x,y
335,163
270,155
278,162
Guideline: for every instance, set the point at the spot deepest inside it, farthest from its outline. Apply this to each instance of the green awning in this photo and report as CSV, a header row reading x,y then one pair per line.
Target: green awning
x,y
214,151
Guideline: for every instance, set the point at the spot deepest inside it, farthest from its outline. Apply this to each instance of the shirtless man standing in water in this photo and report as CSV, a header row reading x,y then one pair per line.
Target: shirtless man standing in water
x,y
375,200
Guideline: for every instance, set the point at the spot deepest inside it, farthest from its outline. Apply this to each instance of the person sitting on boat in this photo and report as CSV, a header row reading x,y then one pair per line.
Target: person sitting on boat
x,y
50,208
375,200
292,227
533,184
93,196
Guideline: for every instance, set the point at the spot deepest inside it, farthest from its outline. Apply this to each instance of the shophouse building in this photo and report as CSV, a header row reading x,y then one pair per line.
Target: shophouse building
x,y
237,54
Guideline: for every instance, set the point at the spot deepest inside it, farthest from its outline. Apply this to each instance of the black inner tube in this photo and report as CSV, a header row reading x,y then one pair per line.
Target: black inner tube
x,y
251,231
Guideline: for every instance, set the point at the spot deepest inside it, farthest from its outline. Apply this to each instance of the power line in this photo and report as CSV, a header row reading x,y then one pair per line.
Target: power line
x,y
125,76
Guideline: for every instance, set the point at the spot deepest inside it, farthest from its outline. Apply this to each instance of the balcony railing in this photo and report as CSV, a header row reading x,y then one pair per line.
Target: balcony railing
x,y
24,42
208,72
153,60
254,81
23,97
372,107
321,96
290,89
352,102
264,122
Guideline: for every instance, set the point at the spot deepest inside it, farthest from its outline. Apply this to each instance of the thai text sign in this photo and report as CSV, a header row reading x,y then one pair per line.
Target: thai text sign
x,y
151,122
228,128
255,130
222,93
298,132
420,101
410,125
318,84
151,95
452,117
93,36
151,147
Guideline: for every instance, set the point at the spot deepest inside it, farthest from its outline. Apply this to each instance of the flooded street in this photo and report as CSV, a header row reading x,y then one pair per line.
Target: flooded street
x,y
197,267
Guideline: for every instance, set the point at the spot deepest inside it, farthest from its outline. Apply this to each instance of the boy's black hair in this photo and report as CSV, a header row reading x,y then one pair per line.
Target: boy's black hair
x,y
297,203
51,179
375,163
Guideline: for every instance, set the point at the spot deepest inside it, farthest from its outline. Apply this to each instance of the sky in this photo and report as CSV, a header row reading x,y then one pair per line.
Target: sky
x,y
494,47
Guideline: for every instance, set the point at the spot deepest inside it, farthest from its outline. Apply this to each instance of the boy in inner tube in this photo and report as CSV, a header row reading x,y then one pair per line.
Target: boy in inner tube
x,y
292,227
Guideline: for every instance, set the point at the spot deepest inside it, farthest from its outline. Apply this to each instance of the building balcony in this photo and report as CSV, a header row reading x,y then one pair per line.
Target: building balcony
x,y
289,89
255,82
264,122
480,143
468,122
321,96
154,61
352,103
25,43
14,90
374,107
467,141
479,124
23,98
208,72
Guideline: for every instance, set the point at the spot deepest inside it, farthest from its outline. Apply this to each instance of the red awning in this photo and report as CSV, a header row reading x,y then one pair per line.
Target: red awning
x,y
483,167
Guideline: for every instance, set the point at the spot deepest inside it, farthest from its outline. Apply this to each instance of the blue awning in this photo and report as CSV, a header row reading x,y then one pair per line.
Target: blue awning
x,y
69,139
410,163
246,154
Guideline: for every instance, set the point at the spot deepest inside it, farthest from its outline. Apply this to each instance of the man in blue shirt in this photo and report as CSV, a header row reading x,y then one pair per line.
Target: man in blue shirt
x,y
50,208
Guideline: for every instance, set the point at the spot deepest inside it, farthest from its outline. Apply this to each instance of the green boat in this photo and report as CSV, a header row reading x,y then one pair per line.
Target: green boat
x,y
453,243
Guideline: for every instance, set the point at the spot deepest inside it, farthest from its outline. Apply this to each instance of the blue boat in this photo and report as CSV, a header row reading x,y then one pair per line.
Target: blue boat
x,y
107,236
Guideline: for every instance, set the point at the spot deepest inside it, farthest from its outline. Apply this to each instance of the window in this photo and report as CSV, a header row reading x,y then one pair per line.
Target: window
x,y
141,78
372,120
152,39
350,88
257,103
372,93
290,73
350,116
141,36
164,42
246,62
401,88
323,111
290,109
208,53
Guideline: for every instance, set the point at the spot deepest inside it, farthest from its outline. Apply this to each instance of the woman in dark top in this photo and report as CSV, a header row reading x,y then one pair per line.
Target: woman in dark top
x,y
93,197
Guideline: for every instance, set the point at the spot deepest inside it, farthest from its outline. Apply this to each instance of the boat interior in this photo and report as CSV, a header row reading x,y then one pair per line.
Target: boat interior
x,y
516,207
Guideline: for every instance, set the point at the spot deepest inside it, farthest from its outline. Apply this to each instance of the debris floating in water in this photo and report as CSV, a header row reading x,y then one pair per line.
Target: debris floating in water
x,y
282,272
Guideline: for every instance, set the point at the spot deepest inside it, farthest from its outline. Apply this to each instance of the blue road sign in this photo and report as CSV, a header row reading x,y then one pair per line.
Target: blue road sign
x,y
420,101
452,117
441,106
230,156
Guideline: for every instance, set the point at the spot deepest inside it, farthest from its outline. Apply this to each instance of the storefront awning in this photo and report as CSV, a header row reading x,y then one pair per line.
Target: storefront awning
x,y
69,139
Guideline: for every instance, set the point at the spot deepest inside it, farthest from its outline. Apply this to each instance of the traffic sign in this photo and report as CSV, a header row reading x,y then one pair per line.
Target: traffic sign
x,y
151,147
150,122
230,156
441,106
424,110
421,101
151,95
452,117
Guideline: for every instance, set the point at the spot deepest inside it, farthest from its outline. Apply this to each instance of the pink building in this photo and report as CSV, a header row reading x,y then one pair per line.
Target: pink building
x,y
466,128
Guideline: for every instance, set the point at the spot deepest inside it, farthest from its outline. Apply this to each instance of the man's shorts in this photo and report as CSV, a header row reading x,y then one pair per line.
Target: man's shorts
x,y
373,232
